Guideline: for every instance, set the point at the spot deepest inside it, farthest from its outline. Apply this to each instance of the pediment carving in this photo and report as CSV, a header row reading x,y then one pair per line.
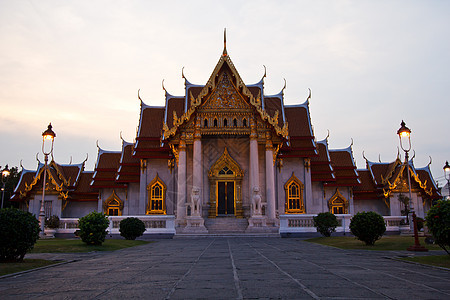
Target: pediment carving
x,y
225,96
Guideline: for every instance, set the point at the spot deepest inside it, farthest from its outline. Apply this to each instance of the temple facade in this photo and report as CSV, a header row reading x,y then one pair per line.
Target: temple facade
x,y
225,156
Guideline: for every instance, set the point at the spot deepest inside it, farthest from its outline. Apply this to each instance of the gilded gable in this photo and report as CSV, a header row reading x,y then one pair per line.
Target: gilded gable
x,y
225,96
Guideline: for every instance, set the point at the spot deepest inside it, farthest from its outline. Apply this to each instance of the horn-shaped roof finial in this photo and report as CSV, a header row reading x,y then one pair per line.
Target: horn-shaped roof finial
x,y
224,42
139,97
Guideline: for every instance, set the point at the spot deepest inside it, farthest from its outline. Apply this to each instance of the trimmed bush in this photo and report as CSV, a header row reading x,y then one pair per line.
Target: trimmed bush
x,y
52,222
367,227
131,228
93,228
438,223
326,223
19,231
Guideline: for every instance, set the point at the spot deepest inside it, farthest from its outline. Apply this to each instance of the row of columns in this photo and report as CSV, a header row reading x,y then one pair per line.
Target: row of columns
x,y
253,172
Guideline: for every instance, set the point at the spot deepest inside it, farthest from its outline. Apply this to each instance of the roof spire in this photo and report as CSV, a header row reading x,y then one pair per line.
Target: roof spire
x,y
224,42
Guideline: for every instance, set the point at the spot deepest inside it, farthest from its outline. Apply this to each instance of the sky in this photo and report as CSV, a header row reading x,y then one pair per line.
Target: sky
x,y
79,65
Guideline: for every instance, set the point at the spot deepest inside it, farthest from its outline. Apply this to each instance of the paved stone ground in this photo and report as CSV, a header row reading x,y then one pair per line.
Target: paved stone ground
x,y
230,268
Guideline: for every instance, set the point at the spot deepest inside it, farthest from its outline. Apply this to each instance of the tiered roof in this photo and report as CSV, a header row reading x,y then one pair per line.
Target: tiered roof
x,y
321,169
71,182
129,165
106,168
380,180
344,168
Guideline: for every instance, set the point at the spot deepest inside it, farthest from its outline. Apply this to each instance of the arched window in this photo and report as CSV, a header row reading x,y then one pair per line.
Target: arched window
x,y
113,205
215,122
338,204
225,122
205,123
234,122
156,196
244,122
294,196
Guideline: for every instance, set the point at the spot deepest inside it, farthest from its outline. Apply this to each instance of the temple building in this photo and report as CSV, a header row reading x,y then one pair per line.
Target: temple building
x,y
225,156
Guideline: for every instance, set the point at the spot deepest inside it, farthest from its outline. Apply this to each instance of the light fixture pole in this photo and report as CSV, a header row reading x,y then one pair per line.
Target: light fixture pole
x,y
5,174
405,143
48,137
447,176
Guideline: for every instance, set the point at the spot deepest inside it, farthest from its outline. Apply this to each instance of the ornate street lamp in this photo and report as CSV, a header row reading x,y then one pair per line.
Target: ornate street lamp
x,y
405,143
447,176
48,137
5,174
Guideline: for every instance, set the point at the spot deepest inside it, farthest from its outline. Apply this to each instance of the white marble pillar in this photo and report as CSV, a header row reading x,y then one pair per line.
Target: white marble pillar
x,y
143,198
254,161
197,174
181,192
270,182
308,185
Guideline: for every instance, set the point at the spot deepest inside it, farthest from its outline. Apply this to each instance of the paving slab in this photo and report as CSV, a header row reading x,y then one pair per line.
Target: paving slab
x,y
230,268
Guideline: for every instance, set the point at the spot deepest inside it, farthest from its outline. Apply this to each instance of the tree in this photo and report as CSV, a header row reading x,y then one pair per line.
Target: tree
x,y
438,223
367,227
93,228
326,223
11,182
19,231
405,212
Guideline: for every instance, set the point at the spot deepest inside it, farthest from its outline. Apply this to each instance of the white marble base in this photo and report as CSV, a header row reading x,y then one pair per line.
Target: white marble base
x,y
195,224
256,223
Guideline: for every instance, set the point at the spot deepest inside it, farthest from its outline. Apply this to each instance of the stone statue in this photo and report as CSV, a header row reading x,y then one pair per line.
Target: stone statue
x,y
256,202
196,205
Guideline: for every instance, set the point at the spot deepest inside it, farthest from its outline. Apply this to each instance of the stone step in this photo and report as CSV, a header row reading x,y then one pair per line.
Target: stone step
x,y
226,225
227,235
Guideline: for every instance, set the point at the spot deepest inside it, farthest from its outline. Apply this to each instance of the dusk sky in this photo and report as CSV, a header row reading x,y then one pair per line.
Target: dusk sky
x,y
79,65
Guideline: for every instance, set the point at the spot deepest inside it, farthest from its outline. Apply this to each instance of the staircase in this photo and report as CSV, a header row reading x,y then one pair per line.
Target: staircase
x,y
226,225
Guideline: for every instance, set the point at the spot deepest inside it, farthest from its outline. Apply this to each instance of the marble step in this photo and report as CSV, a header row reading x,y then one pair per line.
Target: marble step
x,y
226,225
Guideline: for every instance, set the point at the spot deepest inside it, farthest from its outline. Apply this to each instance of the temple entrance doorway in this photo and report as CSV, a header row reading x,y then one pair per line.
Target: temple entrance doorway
x,y
225,179
225,198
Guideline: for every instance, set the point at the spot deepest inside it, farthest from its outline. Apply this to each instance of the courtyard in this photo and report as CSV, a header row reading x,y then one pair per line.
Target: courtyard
x,y
230,268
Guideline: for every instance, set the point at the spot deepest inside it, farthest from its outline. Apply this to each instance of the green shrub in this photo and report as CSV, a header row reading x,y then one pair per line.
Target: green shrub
x,y
93,228
131,228
326,223
438,223
52,222
367,227
19,231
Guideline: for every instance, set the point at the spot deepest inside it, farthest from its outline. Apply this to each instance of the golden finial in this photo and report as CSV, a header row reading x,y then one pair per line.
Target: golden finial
x,y
225,42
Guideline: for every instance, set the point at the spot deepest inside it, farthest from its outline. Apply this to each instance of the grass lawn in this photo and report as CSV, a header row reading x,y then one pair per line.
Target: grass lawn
x,y
435,260
27,264
76,245
385,243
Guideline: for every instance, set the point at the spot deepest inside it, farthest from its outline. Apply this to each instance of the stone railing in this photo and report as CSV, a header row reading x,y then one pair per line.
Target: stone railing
x,y
154,224
395,223
300,223
303,223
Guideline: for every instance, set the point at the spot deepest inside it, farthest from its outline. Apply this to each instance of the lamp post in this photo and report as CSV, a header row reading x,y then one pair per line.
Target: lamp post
x,y
405,143
5,174
447,176
48,137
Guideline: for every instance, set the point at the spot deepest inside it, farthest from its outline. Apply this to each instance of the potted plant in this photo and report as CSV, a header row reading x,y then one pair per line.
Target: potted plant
x,y
51,224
